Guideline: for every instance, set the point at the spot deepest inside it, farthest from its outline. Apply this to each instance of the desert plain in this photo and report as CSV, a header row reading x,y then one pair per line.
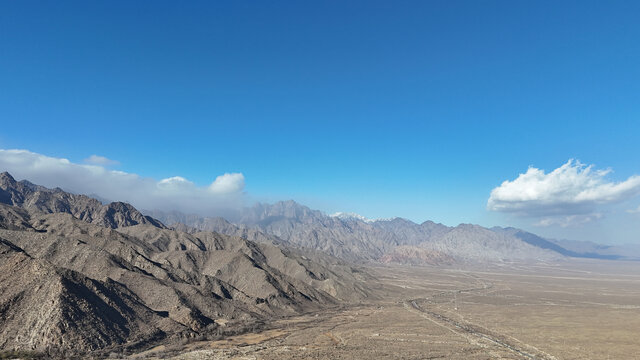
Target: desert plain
x,y
578,309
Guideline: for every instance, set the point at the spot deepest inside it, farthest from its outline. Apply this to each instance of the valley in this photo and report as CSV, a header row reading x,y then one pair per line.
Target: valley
x,y
567,310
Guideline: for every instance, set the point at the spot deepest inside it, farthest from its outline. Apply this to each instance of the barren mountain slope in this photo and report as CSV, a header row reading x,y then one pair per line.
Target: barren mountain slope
x,y
48,307
14,218
194,223
294,225
473,242
413,255
410,233
306,228
178,283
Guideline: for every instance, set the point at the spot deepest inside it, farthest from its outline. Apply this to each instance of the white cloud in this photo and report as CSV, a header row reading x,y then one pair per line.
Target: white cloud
x,y
566,221
174,193
100,160
570,190
175,182
229,182
634,211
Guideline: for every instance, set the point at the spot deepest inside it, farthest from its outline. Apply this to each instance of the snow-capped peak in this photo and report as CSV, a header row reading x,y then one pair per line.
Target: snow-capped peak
x,y
351,216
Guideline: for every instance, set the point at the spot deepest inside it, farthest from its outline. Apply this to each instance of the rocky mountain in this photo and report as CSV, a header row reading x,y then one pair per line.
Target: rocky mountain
x,y
80,276
410,233
355,238
580,249
50,307
192,223
413,255
35,198
593,250
473,242
351,216
297,225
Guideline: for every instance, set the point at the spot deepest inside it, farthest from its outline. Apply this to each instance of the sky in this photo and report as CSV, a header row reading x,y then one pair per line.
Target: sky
x,y
501,113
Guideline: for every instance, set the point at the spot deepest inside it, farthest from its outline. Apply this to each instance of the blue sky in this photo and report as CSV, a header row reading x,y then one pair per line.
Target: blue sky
x,y
413,109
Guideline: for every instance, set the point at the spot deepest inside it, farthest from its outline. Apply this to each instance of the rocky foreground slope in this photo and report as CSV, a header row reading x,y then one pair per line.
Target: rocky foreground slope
x,y
77,276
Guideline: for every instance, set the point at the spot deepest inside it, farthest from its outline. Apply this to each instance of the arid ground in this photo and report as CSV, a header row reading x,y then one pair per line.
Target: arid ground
x,y
569,310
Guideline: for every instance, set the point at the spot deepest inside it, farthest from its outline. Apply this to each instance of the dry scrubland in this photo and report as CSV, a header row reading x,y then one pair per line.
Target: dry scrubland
x,y
568,310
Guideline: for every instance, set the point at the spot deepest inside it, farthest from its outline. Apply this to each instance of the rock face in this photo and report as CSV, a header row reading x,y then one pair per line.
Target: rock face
x,y
76,275
358,239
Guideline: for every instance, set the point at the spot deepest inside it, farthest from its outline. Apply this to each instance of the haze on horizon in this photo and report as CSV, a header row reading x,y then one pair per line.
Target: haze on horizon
x,y
512,114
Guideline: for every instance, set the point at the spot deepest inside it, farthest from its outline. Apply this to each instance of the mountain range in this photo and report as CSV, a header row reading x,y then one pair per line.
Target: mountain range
x,y
77,276
355,238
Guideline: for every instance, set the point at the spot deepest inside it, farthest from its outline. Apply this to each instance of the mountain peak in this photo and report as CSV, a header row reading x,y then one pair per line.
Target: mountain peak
x,y
7,180
39,199
288,204
350,216
398,219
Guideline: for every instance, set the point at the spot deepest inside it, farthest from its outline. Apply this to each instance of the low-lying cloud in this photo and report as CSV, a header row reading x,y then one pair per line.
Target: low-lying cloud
x,y
94,178
570,194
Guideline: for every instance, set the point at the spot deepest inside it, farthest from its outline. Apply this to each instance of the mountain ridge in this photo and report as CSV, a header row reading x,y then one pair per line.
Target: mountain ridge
x,y
80,276
355,239
31,197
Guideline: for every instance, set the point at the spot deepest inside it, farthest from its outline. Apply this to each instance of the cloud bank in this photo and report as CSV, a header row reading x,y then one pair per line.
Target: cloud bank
x,y
225,193
570,194
570,220
100,160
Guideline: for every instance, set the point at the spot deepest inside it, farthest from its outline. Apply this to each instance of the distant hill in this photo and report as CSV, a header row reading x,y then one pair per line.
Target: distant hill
x,y
355,238
599,251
